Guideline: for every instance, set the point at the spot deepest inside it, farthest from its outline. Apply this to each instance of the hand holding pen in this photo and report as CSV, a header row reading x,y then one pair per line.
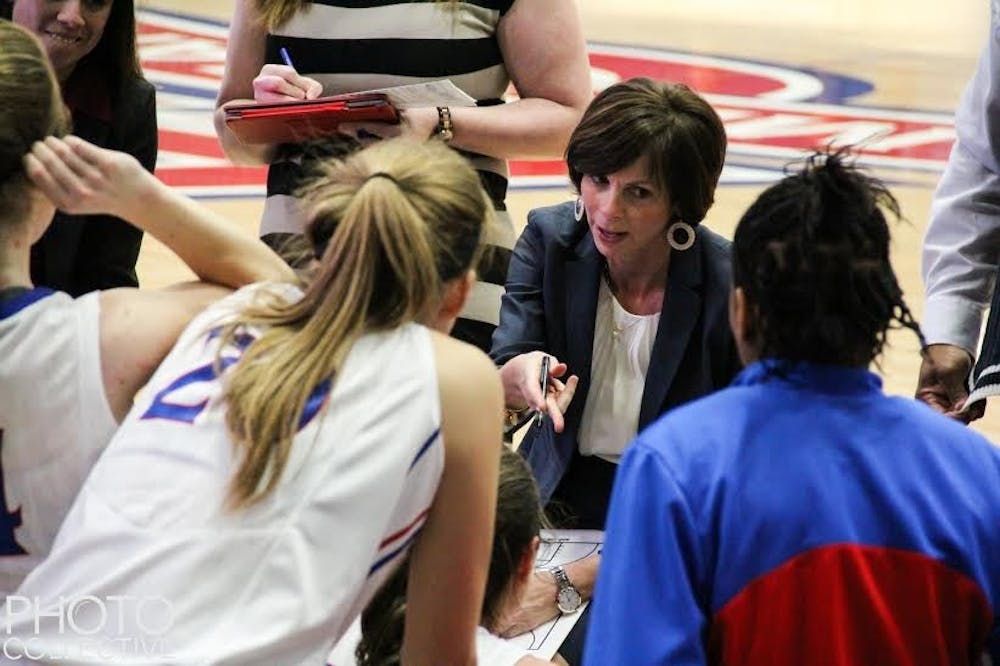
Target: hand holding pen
x,y
291,84
283,83
555,394
532,380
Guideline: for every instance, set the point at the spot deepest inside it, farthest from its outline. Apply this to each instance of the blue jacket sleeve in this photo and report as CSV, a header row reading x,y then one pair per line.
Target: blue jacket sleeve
x,y
522,309
646,606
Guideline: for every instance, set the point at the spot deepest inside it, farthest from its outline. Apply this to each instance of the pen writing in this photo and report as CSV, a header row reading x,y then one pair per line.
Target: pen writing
x,y
286,57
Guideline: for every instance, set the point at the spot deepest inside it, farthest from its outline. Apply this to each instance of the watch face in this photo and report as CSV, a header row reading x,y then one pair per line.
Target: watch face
x,y
568,600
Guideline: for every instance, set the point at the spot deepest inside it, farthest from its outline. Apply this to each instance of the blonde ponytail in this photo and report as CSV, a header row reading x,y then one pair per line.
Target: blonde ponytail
x,y
401,218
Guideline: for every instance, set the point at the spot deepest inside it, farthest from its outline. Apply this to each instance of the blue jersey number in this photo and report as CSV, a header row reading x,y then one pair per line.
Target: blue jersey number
x,y
163,408
9,521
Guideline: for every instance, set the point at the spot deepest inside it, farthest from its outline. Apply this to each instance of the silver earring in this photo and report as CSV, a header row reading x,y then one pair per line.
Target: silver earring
x,y
687,235
578,210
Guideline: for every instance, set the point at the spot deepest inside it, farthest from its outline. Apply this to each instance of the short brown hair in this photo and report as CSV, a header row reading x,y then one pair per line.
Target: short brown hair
x,y
674,127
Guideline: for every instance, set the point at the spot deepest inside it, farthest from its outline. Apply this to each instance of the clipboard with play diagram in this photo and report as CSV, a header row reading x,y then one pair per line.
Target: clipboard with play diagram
x,y
301,120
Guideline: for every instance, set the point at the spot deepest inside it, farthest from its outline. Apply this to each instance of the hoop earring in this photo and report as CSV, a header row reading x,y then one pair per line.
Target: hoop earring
x,y
688,234
578,209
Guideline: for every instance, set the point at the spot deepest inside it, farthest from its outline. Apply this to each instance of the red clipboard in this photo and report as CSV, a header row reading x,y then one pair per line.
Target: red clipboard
x,y
292,122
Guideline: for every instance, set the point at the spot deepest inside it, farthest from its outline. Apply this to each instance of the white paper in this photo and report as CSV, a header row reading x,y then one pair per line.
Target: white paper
x,y
434,93
558,548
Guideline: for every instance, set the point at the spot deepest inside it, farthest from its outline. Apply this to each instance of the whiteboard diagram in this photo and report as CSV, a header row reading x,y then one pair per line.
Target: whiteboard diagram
x,y
558,548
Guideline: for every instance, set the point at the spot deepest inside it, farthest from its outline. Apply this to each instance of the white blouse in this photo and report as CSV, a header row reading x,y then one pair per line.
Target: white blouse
x,y
623,343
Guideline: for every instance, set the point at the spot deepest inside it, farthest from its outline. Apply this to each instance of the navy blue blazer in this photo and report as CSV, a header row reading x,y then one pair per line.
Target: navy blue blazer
x,y
551,305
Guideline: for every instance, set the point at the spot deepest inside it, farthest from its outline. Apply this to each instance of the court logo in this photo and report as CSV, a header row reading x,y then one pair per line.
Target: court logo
x,y
772,113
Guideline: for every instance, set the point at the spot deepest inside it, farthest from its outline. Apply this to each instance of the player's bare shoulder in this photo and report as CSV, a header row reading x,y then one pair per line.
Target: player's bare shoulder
x,y
468,380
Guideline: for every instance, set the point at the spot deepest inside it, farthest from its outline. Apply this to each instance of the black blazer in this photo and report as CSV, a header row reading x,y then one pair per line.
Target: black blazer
x,y
551,305
82,253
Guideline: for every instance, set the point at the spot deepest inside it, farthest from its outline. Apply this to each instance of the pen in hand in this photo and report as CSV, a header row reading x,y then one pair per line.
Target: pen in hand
x,y
544,381
311,88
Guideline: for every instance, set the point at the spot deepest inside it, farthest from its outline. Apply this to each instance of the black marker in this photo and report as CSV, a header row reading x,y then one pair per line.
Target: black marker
x,y
544,380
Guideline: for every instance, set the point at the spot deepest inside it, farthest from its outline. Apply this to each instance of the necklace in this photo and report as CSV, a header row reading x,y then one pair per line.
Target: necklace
x,y
621,320
619,324
616,330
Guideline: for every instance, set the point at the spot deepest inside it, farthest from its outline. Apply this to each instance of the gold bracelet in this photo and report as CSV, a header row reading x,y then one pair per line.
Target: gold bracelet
x,y
445,130
513,416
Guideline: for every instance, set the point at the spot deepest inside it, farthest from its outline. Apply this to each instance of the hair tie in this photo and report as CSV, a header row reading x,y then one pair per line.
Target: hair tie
x,y
383,174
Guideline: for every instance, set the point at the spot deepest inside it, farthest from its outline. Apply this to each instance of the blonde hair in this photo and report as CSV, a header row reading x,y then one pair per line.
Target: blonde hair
x,y
275,13
398,220
31,108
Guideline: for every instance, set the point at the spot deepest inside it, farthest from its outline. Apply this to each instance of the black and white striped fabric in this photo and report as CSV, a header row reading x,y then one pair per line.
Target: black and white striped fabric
x,y
986,375
352,45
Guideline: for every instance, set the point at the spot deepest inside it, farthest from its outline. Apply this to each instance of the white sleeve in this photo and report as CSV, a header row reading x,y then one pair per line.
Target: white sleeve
x,y
962,243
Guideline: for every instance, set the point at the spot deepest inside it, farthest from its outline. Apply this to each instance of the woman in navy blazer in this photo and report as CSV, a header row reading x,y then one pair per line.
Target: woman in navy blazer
x,y
628,262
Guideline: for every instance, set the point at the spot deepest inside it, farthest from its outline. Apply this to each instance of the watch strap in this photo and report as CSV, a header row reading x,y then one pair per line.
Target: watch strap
x,y
563,583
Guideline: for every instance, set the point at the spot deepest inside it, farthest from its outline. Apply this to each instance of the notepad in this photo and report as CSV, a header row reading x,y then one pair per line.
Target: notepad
x,y
301,120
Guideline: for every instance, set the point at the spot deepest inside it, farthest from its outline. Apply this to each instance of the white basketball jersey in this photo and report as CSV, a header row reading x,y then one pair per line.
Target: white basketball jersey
x,y
54,419
162,572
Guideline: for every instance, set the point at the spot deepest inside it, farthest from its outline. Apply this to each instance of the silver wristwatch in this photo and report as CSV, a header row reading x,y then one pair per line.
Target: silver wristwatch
x,y
568,598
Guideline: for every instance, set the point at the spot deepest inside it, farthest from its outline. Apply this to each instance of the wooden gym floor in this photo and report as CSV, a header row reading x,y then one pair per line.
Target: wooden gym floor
x,y
858,70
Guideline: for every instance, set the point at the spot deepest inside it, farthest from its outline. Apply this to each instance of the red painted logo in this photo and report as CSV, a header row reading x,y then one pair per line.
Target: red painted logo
x,y
773,114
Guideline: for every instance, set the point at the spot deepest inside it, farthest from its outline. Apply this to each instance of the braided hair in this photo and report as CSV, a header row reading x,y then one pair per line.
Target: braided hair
x,y
812,257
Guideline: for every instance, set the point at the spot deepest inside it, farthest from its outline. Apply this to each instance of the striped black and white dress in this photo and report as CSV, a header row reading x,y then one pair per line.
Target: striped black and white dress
x,y
352,45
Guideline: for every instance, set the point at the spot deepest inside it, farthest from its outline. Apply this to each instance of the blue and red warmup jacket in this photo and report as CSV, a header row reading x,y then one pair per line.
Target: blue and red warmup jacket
x,y
801,516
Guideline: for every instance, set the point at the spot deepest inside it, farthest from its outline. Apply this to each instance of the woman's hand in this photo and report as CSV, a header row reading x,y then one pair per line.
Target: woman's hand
x,y
417,123
80,178
281,83
522,381
944,374
538,605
